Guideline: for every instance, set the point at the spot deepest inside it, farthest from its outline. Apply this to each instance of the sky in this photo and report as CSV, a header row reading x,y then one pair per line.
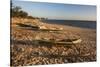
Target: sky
x,y
58,11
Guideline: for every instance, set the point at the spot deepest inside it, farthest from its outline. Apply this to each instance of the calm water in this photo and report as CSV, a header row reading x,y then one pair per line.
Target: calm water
x,y
75,23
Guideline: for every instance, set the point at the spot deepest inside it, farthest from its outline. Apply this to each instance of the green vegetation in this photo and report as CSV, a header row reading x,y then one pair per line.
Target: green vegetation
x,y
16,11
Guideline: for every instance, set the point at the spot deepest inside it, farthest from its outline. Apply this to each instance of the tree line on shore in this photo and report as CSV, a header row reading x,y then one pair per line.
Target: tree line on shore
x,y
17,11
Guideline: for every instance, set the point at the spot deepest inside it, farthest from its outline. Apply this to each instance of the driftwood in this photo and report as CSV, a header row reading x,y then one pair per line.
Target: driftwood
x,y
42,28
49,29
69,41
66,42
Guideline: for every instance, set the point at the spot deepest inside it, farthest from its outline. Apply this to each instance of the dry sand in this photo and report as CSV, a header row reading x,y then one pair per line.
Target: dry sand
x,y
25,52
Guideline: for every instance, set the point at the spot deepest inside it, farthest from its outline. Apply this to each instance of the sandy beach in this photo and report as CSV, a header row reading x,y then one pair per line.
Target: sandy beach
x,y
25,52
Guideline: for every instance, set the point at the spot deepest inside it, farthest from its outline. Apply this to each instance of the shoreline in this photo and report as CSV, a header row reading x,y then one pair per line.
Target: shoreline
x,y
69,26
76,23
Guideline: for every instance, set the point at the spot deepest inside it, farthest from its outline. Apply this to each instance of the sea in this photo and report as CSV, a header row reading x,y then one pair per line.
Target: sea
x,y
74,23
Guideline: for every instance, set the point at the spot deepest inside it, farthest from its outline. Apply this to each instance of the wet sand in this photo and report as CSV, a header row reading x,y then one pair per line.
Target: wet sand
x,y
25,52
